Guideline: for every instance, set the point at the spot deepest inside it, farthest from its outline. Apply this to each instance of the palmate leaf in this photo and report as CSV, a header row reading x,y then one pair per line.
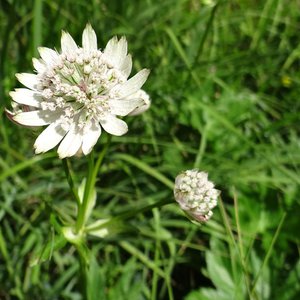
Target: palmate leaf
x,y
220,271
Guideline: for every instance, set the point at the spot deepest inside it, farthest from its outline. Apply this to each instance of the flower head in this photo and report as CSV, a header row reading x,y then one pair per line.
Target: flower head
x,y
78,92
195,194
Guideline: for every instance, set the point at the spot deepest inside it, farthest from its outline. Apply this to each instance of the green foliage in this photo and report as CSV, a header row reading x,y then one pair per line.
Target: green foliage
x,y
224,85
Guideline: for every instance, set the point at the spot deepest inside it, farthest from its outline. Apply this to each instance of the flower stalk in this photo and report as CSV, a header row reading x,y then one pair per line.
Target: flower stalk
x,y
70,180
85,206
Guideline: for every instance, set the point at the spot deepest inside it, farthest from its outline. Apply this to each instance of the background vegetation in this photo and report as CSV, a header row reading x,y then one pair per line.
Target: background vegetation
x,y
224,84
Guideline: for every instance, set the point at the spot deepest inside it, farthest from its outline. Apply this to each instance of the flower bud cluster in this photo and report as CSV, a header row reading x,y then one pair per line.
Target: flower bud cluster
x,y
195,194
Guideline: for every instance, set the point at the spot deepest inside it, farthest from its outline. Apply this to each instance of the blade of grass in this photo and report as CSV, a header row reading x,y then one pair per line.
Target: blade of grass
x,y
25,164
37,25
146,168
143,258
268,254
223,120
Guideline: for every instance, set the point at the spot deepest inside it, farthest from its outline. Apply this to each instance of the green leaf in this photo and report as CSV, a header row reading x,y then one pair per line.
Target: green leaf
x,y
208,294
44,254
218,273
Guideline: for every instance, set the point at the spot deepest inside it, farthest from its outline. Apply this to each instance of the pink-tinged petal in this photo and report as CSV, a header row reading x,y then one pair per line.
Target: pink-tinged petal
x,y
113,125
68,45
10,115
29,80
49,138
36,118
123,107
71,142
49,56
89,39
134,83
26,97
90,137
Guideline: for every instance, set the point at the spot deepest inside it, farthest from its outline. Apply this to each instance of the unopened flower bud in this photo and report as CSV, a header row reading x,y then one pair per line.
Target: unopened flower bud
x,y
195,194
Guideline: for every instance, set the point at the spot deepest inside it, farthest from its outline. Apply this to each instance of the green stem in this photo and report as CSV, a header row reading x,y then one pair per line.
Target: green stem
x,y
100,159
70,180
87,190
83,271
93,170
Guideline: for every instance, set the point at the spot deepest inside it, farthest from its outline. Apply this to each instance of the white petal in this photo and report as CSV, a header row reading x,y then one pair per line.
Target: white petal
x,y
71,143
116,51
48,55
39,66
26,97
113,125
123,107
147,102
126,66
91,136
49,138
29,80
121,52
68,45
111,47
36,118
89,39
134,83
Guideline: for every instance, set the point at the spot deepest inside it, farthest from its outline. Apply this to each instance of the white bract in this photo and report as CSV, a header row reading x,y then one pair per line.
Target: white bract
x,y
195,194
79,92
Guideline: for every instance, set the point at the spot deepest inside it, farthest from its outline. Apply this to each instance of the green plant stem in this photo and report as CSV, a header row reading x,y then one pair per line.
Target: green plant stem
x,y
70,180
83,272
93,170
88,187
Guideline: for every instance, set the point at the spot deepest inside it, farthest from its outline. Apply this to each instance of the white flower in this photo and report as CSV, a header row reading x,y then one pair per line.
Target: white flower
x,y
79,92
195,194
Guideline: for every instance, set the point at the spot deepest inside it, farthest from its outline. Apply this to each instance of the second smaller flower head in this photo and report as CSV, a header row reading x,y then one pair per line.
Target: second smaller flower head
x,y
195,194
